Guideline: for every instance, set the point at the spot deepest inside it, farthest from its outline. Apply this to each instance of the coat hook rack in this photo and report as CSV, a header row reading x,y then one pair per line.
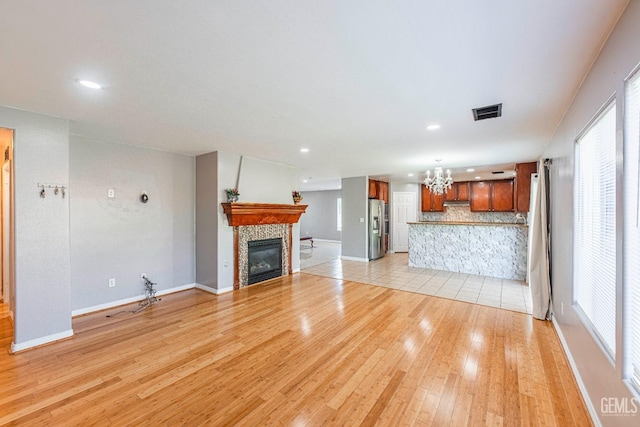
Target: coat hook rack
x,y
58,189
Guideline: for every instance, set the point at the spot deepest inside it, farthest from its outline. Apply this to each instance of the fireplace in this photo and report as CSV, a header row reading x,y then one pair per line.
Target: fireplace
x,y
256,222
265,260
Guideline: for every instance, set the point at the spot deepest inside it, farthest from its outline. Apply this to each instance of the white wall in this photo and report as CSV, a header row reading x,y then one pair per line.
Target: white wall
x,y
42,309
618,58
122,237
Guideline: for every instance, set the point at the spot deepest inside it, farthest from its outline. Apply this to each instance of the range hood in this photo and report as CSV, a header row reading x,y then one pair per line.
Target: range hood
x,y
457,203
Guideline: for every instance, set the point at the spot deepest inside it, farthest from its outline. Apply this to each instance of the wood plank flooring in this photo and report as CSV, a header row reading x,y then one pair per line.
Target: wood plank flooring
x,y
303,350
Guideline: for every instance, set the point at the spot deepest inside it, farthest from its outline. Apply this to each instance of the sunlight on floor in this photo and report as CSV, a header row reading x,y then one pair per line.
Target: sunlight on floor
x,y
393,271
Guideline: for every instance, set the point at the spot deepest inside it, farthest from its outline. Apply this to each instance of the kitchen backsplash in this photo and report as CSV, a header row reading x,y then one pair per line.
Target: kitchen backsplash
x,y
463,214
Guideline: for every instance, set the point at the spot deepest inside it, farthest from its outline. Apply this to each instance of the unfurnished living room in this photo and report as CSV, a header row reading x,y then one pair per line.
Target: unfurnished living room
x,y
320,213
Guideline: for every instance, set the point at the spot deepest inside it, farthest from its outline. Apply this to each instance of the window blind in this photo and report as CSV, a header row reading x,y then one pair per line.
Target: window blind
x,y
594,266
631,252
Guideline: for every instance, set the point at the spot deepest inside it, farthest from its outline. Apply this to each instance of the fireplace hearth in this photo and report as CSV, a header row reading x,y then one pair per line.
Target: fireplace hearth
x,y
265,260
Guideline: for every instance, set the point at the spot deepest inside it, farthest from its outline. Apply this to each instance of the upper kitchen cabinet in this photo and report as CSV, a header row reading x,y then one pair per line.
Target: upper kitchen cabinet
x,y
383,191
379,190
432,202
523,185
492,196
459,192
373,189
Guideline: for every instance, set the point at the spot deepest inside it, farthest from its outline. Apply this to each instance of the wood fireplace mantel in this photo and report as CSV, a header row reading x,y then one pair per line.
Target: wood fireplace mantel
x,y
262,213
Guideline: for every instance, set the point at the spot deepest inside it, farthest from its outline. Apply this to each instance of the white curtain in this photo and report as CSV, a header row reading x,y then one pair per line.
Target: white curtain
x,y
539,265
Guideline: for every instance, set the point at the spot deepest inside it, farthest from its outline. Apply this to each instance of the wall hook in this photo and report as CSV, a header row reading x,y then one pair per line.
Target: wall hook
x,y
43,193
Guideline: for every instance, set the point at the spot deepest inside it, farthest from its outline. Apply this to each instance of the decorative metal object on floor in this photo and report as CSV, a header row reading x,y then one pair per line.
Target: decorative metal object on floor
x,y
149,298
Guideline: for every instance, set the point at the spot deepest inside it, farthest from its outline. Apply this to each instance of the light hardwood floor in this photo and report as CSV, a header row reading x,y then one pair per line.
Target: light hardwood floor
x,y
303,350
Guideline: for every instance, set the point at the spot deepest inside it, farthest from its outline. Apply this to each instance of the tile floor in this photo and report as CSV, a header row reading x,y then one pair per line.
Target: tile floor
x,y
392,271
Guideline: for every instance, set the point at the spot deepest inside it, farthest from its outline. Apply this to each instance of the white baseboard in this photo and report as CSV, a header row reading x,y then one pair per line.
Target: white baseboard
x,y
327,240
130,300
213,290
40,341
583,389
295,270
174,290
351,258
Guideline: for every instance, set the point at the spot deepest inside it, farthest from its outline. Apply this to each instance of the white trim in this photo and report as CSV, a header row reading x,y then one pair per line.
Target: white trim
x,y
583,389
213,290
173,290
125,301
41,341
327,240
295,270
353,258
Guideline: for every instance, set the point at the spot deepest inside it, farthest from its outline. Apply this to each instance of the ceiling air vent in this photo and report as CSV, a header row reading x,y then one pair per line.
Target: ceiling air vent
x,y
490,112
497,172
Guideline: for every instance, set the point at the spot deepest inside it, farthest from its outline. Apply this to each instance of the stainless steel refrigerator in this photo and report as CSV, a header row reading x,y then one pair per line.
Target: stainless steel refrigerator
x,y
376,228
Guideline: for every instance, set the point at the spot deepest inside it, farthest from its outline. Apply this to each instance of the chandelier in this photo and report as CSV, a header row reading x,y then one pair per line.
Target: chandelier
x,y
438,183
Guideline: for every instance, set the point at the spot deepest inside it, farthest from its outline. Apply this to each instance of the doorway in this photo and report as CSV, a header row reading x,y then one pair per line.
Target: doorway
x,y
404,211
7,291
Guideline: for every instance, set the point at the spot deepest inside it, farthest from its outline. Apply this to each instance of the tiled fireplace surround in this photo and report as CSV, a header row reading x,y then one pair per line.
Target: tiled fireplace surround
x,y
258,221
260,232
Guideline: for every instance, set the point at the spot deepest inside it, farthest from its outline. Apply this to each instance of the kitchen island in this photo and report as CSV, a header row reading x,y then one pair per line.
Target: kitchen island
x,y
483,248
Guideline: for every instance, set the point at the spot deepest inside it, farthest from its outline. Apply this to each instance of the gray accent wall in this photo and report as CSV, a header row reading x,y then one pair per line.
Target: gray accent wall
x,y
207,219
42,266
321,219
121,237
618,58
354,208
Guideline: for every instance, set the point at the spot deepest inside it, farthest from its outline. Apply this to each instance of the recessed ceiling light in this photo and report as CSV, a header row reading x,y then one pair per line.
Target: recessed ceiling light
x,y
433,127
304,150
410,174
477,177
471,170
305,181
89,84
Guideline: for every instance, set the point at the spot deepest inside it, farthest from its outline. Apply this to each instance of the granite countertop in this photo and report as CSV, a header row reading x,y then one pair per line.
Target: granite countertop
x,y
501,224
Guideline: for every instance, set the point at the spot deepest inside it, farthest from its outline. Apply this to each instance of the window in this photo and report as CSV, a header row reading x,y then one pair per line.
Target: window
x,y
339,213
594,245
631,255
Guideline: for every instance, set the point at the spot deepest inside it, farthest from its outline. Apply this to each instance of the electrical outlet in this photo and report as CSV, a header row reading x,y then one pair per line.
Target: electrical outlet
x,y
143,276
111,193
112,283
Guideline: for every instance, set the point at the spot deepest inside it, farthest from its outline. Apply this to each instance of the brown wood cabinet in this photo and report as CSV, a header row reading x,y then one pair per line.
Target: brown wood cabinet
x,y
373,189
492,196
459,192
383,191
432,202
523,185
379,190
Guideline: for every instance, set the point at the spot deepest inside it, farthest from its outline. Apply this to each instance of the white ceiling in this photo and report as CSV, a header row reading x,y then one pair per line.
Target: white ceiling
x,y
356,82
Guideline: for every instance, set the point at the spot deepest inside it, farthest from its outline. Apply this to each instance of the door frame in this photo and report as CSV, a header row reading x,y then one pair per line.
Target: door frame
x,y
7,222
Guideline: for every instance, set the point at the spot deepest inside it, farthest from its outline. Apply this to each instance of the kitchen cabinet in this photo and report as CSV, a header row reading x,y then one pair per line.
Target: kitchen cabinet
x,y
379,190
523,185
459,192
432,202
373,189
492,196
383,191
